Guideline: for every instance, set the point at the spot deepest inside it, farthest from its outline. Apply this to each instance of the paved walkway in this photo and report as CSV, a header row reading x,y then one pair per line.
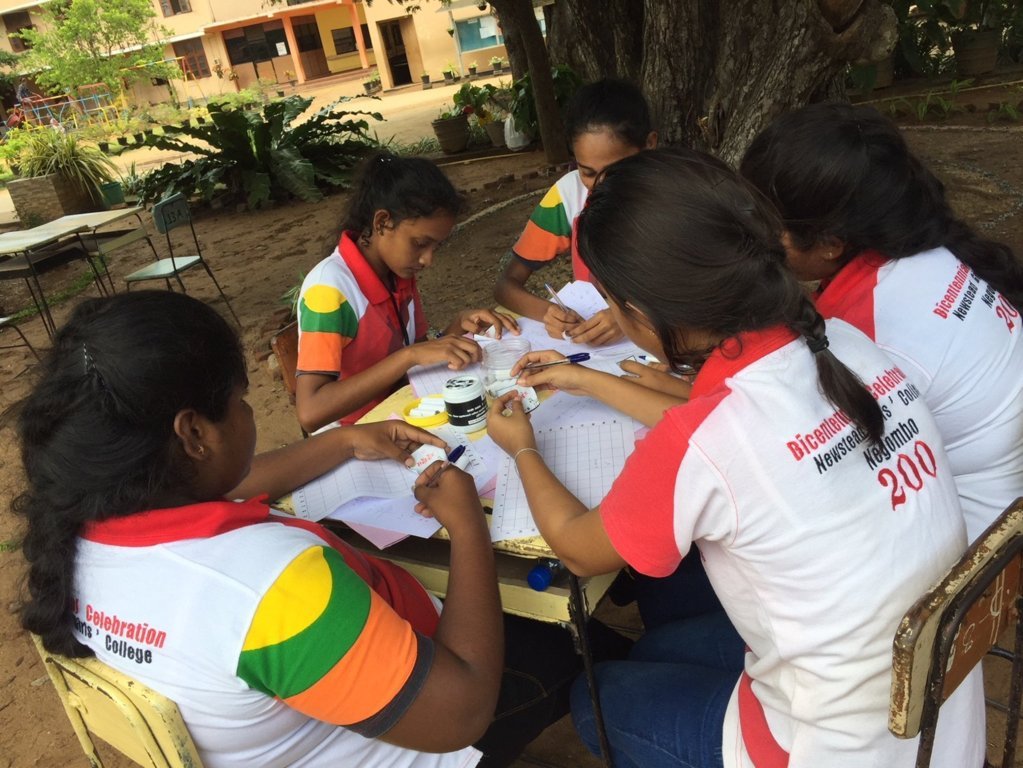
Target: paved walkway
x,y
407,114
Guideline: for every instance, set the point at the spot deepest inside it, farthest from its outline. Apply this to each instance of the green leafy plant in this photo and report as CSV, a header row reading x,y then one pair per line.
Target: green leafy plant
x,y
1006,111
81,164
132,181
496,61
475,100
258,156
523,107
291,296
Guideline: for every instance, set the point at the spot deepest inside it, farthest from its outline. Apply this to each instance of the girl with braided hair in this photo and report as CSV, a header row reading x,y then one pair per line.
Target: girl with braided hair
x,y
813,483
865,216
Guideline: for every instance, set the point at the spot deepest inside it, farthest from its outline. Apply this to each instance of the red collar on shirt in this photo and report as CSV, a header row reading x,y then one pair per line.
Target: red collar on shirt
x,y
372,287
854,270
738,352
194,521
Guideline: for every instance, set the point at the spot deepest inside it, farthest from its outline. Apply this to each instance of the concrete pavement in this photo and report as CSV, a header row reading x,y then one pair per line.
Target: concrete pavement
x,y
407,113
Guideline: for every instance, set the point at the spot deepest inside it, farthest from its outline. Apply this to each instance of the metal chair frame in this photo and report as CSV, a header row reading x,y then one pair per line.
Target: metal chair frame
x,y
933,653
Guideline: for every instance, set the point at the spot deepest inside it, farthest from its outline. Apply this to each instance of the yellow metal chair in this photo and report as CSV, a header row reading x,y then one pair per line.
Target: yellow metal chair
x,y
951,628
138,721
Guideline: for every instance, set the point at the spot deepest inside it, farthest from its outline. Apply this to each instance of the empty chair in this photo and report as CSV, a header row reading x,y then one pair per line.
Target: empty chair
x,y
138,721
169,214
100,246
950,629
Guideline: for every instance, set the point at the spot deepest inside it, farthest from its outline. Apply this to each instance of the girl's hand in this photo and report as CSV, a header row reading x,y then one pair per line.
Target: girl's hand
x,y
508,425
573,379
448,494
598,330
456,351
479,320
391,439
656,376
559,323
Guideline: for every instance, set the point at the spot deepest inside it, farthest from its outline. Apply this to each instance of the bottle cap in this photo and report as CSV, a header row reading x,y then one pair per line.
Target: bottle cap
x,y
540,577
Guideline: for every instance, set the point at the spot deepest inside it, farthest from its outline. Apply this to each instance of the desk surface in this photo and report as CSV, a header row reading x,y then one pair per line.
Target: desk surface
x,y
533,546
28,239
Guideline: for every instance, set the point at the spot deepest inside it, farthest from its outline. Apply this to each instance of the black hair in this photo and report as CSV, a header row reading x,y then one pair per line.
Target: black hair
x,y
617,106
841,171
680,237
405,187
97,433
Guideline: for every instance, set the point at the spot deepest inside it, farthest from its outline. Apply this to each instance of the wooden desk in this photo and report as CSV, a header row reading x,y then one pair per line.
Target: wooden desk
x,y
31,252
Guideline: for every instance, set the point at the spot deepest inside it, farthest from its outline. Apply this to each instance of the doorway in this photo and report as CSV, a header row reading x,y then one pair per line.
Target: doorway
x,y
394,50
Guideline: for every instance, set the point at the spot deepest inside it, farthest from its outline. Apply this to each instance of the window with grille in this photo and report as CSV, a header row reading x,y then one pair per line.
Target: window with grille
x,y
14,23
344,39
193,58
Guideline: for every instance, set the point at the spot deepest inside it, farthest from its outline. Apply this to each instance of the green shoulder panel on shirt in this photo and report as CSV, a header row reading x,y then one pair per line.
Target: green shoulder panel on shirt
x,y
293,653
324,308
550,215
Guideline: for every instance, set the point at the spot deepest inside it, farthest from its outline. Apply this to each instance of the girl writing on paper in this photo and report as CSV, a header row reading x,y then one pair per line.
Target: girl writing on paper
x,y
779,468
866,218
605,121
280,644
360,318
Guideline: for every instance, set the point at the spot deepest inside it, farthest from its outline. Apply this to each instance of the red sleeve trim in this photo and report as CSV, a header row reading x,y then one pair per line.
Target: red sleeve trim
x,y
763,750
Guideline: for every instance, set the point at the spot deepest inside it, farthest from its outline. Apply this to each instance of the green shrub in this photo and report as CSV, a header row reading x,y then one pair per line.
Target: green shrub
x,y
258,156
47,151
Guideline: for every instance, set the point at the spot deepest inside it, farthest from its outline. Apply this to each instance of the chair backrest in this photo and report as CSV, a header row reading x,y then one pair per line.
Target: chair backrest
x,y
950,629
285,348
138,721
284,344
171,212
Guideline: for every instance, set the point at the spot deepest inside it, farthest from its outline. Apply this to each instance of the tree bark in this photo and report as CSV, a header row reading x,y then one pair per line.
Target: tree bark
x,y
717,71
515,47
520,15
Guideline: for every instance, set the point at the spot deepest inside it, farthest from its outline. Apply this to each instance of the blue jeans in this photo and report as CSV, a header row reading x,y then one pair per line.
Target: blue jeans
x,y
665,706
685,594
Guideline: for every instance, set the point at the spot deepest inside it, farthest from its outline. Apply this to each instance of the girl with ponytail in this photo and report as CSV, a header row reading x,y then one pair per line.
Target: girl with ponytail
x,y
783,467
360,318
864,216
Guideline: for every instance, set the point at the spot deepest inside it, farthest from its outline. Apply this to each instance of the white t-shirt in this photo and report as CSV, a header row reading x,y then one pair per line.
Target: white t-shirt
x,y
281,646
815,541
958,340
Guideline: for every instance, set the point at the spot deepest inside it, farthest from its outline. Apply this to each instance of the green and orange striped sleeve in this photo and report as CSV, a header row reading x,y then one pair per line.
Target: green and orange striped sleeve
x,y
548,232
330,647
328,323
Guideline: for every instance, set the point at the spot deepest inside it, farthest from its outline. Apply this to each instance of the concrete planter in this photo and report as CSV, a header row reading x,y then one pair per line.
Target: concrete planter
x,y
45,198
495,130
452,133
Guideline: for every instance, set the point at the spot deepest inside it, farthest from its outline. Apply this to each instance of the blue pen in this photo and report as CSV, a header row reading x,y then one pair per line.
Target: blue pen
x,y
456,454
578,357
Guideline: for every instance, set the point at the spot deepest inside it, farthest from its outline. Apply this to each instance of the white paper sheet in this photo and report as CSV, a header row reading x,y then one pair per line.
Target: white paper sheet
x,y
586,458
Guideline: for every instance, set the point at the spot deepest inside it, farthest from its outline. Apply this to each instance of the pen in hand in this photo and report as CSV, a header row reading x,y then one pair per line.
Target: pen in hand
x,y
578,357
454,456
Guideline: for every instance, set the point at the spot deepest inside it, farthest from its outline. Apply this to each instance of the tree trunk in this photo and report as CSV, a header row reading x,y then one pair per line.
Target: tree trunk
x,y
717,71
597,50
520,15
515,47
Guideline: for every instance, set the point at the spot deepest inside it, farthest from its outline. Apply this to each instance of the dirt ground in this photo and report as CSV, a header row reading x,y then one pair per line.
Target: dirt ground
x,y
258,256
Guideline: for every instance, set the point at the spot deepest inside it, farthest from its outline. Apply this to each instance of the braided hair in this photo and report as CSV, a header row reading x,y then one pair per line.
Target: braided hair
x,y
680,237
97,433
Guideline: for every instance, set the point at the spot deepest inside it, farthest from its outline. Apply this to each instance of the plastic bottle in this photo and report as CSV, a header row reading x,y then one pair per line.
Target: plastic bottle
x,y
542,574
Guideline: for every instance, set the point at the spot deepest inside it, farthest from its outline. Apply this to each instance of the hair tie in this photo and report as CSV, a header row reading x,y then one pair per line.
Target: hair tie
x,y
817,344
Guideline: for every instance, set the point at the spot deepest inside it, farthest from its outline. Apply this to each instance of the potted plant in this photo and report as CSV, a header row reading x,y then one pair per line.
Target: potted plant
x,y
425,77
472,70
60,175
497,63
978,36
372,83
449,73
452,128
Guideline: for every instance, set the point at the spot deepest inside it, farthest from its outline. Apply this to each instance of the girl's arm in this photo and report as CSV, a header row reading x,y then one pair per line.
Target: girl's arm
x,y
321,398
643,403
510,292
457,702
575,533
279,472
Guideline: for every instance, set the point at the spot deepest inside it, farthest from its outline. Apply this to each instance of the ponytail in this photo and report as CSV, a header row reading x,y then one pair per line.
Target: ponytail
x,y
840,386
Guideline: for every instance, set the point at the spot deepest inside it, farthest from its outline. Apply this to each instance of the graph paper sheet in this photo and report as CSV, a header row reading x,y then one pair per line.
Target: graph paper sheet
x,y
586,458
